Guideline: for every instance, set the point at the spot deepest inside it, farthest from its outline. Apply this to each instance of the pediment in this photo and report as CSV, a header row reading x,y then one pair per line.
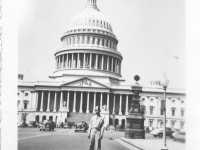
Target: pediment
x,y
85,82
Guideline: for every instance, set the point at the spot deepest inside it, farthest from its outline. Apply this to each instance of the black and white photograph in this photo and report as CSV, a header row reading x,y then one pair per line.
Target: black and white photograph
x,y
100,75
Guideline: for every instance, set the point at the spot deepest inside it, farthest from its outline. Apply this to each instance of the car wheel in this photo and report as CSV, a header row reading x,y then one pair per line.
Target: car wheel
x,y
43,129
160,135
155,135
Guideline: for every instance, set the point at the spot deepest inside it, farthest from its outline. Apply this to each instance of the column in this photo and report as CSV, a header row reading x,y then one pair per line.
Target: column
x,y
90,60
102,62
61,99
91,38
60,62
127,104
63,61
94,102
30,106
68,94
88,100
96,61
54,109
55,63
114,104
107,63
78,62
67,61
81,38
108,102
48,101
74,107
86,38
112,65
41,105
72,64
81,103
84,60
120,105
120,67
101,100
36,101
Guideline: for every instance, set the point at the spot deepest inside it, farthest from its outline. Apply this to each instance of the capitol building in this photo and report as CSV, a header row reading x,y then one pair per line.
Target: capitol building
x,y
88,73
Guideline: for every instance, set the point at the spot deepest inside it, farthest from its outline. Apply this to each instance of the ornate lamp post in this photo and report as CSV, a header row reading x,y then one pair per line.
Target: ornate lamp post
x,y
164,83
135,118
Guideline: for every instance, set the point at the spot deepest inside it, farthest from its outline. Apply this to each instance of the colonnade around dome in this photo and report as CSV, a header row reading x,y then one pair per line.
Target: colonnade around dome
x,y
85,60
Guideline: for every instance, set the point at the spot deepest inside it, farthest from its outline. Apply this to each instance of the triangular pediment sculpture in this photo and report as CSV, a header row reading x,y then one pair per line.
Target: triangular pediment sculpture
x,y
85,82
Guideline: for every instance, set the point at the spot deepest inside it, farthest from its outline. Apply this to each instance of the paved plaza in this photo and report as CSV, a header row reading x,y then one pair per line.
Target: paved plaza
x,y
67,139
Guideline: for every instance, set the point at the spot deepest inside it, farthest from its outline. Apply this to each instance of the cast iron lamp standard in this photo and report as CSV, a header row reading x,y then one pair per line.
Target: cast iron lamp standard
x,y
164,83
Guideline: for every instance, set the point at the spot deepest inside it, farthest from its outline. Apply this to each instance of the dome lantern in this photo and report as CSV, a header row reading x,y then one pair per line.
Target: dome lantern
x,y
91,2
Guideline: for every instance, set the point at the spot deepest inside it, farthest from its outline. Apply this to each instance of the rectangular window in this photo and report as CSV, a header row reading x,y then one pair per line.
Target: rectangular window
x,y
173,112
151,123
25,105
143,99
26,94
182,113
151,99
182,102
173,124
182,125
143,110
161,124
17,93
151,110
161,112
173,101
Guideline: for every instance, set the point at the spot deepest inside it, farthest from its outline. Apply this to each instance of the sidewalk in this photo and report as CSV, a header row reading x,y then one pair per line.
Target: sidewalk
x,y
147,144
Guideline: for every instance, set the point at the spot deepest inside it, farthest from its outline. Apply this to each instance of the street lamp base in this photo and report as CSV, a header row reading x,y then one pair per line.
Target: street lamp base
x,y
164,147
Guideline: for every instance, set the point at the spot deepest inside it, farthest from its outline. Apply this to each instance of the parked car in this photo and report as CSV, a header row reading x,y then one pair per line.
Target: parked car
x,y
119,128
159,132
32,124
40,124
81,126
22,124
180,137
69,125
59,125
19,124
48,125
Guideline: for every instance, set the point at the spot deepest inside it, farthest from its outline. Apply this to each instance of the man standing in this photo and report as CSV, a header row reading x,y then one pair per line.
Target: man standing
x,y
96,130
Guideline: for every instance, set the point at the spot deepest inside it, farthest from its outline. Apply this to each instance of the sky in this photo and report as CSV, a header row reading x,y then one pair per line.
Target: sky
x,y
151,35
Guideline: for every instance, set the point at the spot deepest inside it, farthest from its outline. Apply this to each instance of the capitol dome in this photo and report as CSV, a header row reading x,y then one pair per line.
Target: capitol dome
x,y
90,18
89,47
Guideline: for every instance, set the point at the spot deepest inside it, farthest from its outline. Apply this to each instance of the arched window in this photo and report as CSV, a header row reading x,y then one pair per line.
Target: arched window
x,y
98,41
93,41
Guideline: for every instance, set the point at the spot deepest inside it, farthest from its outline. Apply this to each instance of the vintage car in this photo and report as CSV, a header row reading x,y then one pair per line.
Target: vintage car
x,y
159,132
22,124
119,128
69,125
179,136
48,125
59,125
32,124
81,126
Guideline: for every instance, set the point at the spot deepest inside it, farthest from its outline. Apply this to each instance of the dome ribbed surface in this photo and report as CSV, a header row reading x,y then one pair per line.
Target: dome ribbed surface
x,y
90,18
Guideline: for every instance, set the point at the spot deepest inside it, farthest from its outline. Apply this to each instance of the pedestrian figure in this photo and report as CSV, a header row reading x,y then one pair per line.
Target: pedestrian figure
x,y
96,130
